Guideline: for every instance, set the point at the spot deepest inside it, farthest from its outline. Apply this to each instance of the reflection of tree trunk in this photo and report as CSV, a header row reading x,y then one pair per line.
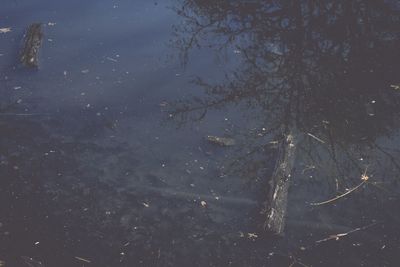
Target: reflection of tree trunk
x,y
277,199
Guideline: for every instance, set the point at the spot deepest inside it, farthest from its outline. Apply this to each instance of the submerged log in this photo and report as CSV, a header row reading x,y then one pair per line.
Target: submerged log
x,y
275,206
32,42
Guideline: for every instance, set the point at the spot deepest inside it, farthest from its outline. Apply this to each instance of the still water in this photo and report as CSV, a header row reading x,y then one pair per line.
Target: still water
x,y
106,157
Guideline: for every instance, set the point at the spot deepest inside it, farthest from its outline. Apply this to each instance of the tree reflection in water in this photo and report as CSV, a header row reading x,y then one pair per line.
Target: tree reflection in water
x,y
325,70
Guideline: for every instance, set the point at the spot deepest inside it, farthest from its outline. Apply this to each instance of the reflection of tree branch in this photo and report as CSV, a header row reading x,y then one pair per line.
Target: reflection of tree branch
x,y
306,67
392,159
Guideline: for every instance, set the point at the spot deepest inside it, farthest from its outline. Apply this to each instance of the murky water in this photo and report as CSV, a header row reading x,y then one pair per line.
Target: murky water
x,y
104,156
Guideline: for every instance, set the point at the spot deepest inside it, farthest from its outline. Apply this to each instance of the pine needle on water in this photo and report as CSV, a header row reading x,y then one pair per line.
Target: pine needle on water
x,y
364,178
339,196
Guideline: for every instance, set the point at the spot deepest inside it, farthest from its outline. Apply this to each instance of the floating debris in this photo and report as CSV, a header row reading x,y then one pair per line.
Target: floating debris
x,y
316,138
339,196
395,86
252,235
338,236
82,259
5,30
31,261
111,59
221,141
164,104
364,179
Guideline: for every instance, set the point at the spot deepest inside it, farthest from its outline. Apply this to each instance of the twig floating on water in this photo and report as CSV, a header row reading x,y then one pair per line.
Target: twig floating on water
x,y
111,59
316,138
338,236
82,259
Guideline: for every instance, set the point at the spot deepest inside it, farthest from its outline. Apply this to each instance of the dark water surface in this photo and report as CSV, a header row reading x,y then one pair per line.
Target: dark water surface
x,y
104,159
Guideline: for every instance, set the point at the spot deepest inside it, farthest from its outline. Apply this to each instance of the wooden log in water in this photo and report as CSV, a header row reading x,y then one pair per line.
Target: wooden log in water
x,y
32,42
276,204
